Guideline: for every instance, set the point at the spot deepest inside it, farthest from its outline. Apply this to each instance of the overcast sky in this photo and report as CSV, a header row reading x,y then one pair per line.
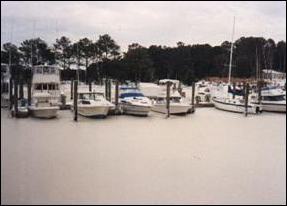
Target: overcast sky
x,y
146,23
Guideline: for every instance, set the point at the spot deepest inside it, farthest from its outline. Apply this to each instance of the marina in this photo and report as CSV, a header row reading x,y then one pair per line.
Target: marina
x,y
180,160
143,103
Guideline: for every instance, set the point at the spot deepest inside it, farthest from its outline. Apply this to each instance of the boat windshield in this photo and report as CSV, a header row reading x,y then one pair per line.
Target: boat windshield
x,y
126,95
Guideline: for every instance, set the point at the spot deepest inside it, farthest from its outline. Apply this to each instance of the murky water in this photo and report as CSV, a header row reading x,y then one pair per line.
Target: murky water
x,y
210,157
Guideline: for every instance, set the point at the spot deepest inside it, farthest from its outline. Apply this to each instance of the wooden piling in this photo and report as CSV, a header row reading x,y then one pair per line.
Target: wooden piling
x,y
29,92
234,90
259,85
110,90
168,84
72,85
16,98
106,89
21,92
193,93
76,100
90,85
246,99
10,93
117,94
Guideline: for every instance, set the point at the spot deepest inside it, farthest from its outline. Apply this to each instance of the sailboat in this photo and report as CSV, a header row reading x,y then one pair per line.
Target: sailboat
x,y
236,104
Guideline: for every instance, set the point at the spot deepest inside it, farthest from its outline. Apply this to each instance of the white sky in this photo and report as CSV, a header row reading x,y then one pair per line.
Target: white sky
x,y
146,23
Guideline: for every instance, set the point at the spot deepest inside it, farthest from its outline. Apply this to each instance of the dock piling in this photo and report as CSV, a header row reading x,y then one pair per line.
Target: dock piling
x,y
193,93
168,99
246,99
76,100
29,85
16,98
90,85
72,85
10,93
117,94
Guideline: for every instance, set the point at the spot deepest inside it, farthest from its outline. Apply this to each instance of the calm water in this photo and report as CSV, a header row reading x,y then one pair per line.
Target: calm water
x,y
210,157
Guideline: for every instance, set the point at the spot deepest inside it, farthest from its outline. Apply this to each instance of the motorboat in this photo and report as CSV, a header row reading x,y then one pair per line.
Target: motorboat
x,y
92,104
22,109
235,105
132,101
272,100
177,105
42,106
46,78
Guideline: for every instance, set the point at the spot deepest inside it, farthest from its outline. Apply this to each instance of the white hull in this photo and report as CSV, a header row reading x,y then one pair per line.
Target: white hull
x,y
93,111
235,107
44,112
136,110
273,107
175,108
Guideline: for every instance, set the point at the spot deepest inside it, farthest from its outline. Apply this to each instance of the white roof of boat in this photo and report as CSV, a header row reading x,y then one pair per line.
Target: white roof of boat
x,y
168,80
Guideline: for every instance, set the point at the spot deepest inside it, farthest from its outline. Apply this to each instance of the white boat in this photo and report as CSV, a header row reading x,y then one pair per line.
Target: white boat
x,y
47,79
5,85
235,105
22,108
272,100
132,101
203,94
91,104
42,106
177,105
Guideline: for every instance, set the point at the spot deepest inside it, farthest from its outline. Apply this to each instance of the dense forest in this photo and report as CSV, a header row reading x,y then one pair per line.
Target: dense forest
x,y
103,59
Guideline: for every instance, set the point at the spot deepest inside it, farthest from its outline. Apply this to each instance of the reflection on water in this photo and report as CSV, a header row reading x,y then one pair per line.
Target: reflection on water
x,y
210,157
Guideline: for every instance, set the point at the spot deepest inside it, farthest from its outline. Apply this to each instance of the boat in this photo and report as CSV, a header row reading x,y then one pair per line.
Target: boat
x,y
46,78
272,99
203,95
132,101
5,85
22,109
42,106
92,104
177,105
235,105
45,91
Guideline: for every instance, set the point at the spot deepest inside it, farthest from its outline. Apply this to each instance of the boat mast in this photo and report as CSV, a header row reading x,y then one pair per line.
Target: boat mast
x,y
231,52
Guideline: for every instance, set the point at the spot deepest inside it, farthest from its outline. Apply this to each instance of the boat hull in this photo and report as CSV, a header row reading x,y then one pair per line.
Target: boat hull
x,y
93,111
273,107
174,108
44,112
238,108
135,109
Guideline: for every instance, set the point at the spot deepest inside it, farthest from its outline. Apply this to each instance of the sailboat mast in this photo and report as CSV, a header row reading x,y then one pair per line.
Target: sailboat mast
x,y
231,52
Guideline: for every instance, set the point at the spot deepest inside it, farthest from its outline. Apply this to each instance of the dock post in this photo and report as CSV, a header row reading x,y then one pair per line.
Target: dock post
x,y
117,94
110,90
76,100
72,85
168,99
90,85
16,98
106,89
234,89
193,93
259,85
21,92
246,99
10,93
29,84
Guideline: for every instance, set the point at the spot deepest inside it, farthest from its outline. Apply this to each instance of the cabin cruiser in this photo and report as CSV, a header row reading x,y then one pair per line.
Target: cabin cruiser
x,y
203,94
5,85
132,101
235,105
272,99
42,106
46,79
92,104
177,105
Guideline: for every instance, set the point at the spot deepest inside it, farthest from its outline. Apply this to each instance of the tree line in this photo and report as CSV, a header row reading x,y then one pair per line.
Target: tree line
x,y
103,59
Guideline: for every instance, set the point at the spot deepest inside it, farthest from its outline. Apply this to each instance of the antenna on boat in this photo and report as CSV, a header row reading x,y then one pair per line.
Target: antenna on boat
x,y
231,51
